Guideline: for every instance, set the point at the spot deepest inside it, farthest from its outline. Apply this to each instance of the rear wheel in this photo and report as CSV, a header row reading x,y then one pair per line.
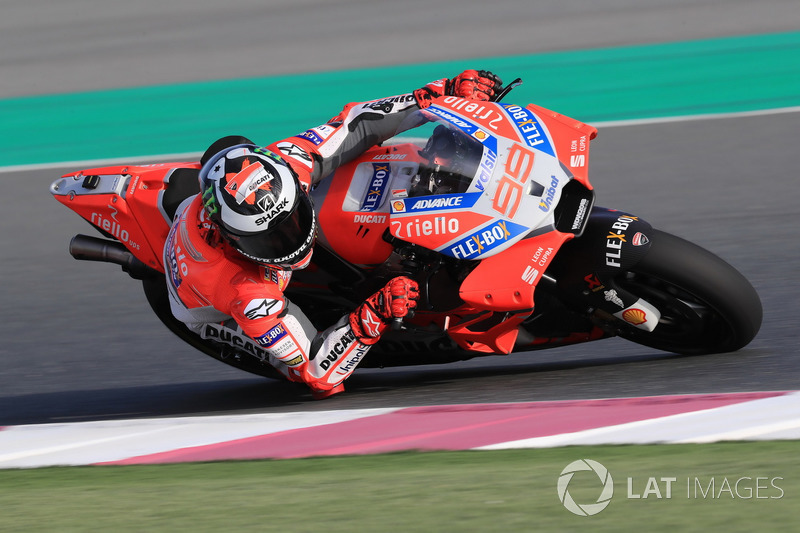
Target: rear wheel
x,y
706,305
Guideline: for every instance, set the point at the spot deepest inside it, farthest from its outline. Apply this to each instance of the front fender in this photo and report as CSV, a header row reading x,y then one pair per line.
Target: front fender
x,y
586,267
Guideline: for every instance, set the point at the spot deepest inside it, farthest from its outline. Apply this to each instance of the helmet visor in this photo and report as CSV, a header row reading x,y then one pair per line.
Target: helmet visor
x,y
286,243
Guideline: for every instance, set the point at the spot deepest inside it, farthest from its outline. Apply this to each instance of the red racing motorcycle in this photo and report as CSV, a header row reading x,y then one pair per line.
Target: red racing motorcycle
x,y
487,205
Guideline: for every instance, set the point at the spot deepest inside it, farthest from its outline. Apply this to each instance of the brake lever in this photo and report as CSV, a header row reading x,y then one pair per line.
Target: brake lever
x,y
507,89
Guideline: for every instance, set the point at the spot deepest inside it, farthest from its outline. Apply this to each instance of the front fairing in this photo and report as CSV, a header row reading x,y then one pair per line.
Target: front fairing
x,y
511,176
501,184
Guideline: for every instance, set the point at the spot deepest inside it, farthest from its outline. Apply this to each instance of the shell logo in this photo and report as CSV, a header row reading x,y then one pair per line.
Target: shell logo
x,y
399,206
634,316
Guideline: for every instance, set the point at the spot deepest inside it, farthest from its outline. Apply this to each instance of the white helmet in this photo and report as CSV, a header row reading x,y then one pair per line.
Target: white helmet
x,y
256,202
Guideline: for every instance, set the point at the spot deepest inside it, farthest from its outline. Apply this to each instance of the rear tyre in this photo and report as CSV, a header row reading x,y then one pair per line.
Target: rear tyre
x,y
706,305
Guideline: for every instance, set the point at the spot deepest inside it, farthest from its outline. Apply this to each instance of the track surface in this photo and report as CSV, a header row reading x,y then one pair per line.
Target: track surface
x,y
79,342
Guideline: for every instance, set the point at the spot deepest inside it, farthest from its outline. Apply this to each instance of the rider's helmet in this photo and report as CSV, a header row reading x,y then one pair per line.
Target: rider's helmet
x,y
258,206
453,159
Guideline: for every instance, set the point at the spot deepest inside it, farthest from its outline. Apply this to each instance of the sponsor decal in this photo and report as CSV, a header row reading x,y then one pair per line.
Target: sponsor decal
x,y
417,227
616,238
577,160
337,350
134,183
272,336
476,110
452,119
508,195
294,362
480,135
369,219
278,277
386,105
485,239
529,128
350,364
549,195
230,337
580,215
113,227
389,157
399,193
272,213
539,259
640,239
436,203
611,296
578,145
262,307
311,135
377,186
295,152
243,185
542,256
530,275
634,316
593,282
176,271
486,169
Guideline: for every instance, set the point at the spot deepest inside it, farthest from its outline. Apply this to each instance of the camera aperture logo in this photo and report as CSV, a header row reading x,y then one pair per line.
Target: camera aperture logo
x,y
698,488
585,509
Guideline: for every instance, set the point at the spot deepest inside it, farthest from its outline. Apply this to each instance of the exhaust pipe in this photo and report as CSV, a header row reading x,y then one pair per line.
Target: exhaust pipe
x,y
86,248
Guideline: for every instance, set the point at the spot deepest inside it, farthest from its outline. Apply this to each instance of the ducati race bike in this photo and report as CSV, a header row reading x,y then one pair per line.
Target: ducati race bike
x,y
489,207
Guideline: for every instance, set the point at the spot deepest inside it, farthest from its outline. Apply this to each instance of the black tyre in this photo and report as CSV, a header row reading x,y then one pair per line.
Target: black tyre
x,y
706,305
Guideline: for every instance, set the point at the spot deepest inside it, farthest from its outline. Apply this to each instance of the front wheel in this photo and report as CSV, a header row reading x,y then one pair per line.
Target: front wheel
x,y
706,305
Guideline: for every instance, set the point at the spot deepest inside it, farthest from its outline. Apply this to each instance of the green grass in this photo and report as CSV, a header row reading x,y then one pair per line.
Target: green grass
x,y
512,490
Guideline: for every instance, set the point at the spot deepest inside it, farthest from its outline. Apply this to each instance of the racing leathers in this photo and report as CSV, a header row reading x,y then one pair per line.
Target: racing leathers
x,y
223,296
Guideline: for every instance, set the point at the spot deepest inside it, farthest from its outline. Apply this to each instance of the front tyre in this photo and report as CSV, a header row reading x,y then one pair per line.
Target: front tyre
x,y
706,305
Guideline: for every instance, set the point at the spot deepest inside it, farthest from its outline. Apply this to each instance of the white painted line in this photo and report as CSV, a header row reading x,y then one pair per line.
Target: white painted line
x,y
194,156
764,419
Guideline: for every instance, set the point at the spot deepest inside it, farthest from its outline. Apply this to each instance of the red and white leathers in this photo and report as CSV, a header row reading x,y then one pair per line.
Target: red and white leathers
x,y
221,295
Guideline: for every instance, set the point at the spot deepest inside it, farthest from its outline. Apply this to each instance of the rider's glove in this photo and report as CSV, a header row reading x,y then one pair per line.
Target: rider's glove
x,y
397,299
470,84
475,85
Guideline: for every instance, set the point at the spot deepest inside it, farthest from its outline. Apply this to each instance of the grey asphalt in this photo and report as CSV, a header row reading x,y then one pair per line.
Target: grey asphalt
x,y
79,342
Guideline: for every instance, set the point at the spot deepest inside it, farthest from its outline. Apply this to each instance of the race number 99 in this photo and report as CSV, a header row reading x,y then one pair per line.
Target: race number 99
x,y
509,191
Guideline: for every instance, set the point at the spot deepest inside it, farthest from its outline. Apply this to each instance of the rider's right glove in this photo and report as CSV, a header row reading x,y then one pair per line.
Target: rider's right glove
x,y
397,299
470,84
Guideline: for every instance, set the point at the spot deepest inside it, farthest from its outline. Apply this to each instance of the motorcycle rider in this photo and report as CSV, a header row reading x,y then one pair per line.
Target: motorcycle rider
x,y
232,248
